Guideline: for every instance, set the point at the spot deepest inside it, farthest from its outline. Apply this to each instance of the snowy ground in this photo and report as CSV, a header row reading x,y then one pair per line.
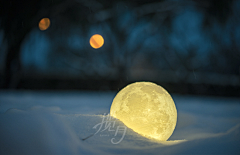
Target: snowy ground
x,y
56,123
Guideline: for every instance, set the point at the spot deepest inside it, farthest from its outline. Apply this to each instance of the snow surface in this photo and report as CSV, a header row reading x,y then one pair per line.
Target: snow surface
x,y
57,123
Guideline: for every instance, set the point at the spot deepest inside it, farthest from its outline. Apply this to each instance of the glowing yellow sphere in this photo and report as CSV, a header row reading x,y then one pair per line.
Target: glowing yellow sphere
x,y
147,109
96,41
44,24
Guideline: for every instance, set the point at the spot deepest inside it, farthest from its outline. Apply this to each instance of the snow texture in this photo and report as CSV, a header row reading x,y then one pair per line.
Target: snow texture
x,y
58,123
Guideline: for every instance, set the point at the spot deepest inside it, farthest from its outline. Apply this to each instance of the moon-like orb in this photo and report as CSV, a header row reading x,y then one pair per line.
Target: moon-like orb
x,y
96,41
147,109
44,24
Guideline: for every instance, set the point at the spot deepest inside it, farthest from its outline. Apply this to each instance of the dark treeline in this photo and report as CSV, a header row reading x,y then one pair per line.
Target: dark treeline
x,y
188,46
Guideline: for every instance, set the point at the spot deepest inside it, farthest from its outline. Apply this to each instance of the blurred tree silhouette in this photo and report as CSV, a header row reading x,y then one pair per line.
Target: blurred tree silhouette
x,y
18,18
189,41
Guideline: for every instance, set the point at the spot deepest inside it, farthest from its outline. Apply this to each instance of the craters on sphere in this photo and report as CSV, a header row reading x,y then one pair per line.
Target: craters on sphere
x,y
146,108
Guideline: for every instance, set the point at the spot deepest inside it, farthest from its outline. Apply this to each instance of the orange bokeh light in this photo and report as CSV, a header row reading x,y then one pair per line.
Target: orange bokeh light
x,y
96,41
44,24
